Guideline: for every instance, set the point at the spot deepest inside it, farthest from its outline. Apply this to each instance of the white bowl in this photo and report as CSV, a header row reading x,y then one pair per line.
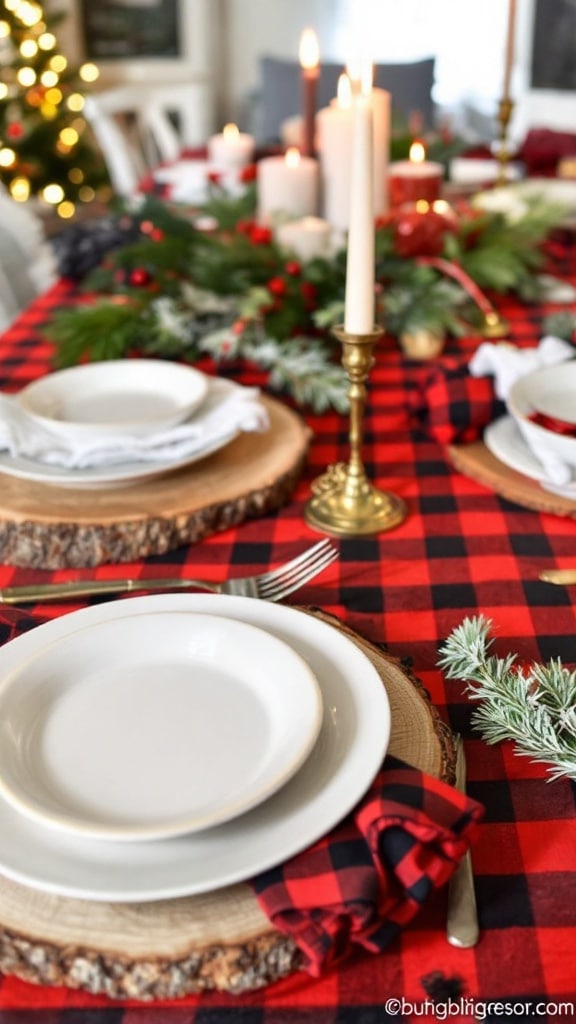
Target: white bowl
x,y
117,396
552,391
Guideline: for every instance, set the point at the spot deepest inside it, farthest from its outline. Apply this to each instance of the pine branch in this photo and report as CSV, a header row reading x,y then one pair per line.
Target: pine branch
x,y
535,708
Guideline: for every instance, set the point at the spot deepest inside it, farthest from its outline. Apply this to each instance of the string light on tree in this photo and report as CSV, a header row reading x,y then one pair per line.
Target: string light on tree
x,y
42,138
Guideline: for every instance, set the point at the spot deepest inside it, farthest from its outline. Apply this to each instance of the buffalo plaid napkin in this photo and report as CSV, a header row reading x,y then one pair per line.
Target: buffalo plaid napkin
x,y
450,405
364,881
454,400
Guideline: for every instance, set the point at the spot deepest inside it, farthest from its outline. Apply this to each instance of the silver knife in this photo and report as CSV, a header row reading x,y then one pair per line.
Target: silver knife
x,y
462,917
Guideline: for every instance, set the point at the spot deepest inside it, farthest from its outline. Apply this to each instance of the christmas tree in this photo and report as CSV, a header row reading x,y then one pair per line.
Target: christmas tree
x,y
46,148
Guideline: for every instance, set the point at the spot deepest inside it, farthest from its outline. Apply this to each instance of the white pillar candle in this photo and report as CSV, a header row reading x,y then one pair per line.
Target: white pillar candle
x,y
306,238
335,153
334,133
287,186
231,149
360,266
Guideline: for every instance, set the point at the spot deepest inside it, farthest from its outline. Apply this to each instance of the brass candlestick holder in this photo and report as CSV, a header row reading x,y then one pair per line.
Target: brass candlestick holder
x,y
344,503
505,108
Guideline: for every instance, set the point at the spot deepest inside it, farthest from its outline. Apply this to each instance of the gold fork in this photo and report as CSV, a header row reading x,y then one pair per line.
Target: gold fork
x,y
269,586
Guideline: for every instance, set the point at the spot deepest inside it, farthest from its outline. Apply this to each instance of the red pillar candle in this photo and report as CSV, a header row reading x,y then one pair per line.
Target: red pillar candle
x,y
309,62
414,179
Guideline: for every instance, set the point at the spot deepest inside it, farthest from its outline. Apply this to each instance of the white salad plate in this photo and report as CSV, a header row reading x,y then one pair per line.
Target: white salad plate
x,y
504,439
130,396
345,758
154,725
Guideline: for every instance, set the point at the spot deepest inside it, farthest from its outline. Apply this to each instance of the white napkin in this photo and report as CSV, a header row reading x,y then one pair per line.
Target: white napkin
x,y
506,364
228,409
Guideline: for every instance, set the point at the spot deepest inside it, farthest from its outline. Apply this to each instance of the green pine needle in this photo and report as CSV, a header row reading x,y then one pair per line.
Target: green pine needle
x,y
536,708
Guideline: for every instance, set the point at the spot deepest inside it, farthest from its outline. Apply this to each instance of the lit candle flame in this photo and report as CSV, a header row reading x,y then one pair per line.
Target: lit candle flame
x,y
441,206
354,69
366,76
292,157
417,153
344,92
360,71
230,131
309,52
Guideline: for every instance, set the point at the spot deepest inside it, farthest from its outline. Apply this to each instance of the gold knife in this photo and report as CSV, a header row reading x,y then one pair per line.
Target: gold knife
x,y
561,576
462,917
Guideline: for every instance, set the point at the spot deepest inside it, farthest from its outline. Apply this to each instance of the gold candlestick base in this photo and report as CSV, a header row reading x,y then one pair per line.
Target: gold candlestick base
x,y
344,503
344,506
495,326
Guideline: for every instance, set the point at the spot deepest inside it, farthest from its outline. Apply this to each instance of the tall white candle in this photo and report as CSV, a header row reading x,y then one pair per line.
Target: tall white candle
x,y
287,186
309,62
381,112
334,131
509,58
360,272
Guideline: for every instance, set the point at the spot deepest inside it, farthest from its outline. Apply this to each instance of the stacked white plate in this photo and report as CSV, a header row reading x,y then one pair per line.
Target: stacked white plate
x,y
130,398
163,746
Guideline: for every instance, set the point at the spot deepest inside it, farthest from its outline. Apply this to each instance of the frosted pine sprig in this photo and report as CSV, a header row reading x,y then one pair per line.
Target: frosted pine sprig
x,y
535,707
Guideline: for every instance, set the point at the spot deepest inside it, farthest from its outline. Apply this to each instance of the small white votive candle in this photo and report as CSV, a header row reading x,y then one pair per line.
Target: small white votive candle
x,y
231,149
306,238
287,186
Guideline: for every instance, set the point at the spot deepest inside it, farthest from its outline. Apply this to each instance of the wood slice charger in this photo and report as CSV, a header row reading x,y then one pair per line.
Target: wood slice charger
x,y
476,461
48,527
221,940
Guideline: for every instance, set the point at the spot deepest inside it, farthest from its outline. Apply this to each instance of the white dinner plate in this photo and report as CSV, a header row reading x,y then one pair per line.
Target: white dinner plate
x,y
154,725
349,751
119,474
117,396
504,440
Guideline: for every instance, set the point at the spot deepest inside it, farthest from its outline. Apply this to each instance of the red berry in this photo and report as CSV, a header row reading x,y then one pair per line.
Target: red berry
x,y
139,277
293,268
277,285
260,235
248,173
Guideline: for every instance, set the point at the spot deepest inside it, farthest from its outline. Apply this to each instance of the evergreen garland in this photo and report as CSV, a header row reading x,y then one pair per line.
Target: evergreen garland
x,y
219,283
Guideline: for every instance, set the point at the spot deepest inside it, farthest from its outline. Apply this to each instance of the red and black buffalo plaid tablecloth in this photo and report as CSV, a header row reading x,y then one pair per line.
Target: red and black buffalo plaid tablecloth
x,y
461,551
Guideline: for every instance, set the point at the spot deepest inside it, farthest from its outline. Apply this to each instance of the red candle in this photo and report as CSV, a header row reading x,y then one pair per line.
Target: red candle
x,y
415,178
309,62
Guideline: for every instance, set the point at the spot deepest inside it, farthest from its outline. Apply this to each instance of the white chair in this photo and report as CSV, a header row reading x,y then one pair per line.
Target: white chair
x,y
139,126
27,261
